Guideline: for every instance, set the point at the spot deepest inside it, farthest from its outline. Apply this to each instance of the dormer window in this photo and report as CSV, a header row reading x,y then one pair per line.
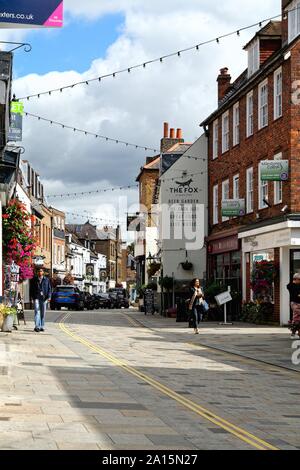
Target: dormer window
x,y
253,57
294,20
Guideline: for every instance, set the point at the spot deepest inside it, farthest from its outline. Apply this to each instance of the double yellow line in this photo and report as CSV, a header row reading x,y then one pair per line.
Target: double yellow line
x,y
238,432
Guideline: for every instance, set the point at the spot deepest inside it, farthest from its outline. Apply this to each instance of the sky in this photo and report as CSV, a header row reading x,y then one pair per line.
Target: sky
x,y
101,36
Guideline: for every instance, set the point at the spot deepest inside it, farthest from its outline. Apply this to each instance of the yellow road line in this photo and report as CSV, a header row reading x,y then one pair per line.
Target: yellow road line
x,y
199,410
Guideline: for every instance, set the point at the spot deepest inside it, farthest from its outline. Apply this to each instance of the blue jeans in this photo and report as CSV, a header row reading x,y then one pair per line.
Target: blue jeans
x,y
197,315
40,307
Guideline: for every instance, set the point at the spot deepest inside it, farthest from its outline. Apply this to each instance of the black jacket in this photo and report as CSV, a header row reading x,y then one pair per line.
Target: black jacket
x,y
294,290
37,288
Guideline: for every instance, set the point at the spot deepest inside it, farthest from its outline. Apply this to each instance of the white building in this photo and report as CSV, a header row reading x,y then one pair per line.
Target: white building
x,y
182,207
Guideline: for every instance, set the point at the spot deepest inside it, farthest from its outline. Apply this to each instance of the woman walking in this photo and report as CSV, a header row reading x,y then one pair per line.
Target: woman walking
x,y
196,305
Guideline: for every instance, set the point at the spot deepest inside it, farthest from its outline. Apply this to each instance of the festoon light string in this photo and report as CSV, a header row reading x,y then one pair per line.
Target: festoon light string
x,y
143,64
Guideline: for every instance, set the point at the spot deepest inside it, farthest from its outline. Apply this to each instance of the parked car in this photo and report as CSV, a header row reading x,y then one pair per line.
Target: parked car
x,y
89,301
103,301
67,296
120,296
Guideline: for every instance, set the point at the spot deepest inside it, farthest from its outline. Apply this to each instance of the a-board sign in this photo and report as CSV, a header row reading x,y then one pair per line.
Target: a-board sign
x,y
149,301
223,298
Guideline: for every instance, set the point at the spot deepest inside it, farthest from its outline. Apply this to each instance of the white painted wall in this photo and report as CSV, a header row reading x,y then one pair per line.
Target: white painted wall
x,y
174,251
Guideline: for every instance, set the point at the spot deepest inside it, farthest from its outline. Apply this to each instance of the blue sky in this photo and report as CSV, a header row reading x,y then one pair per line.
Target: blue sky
x,y
72,47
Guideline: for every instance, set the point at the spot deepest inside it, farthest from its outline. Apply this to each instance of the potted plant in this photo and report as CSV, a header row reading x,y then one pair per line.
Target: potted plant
x,y
8,315
187,266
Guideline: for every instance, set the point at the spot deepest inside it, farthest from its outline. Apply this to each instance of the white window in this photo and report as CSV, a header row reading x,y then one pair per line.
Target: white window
x,y
215,139
253,57
263,105
250,205
294,19
225,132
278,185
216,204
278,93
236,124
263,191
225,195
236,187
250,120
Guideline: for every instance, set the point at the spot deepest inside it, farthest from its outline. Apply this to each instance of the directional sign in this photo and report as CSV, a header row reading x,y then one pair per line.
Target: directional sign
x,y
223,298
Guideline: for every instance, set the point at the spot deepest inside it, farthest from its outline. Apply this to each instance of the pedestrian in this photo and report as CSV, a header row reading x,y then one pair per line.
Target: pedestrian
x,y
40,294
196,308
294,290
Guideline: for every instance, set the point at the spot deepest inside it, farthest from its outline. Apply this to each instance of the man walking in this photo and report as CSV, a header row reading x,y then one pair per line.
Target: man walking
x,y
40,294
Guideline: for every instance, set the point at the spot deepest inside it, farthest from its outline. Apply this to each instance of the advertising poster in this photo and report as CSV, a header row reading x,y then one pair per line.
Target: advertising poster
x,y
35,13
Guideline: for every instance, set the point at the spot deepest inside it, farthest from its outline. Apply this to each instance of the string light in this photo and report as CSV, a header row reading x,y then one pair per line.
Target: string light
x,y
96,191
144,63
85,132
90,217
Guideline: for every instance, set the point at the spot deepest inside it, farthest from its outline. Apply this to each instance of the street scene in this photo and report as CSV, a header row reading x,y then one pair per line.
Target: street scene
x,y
150,228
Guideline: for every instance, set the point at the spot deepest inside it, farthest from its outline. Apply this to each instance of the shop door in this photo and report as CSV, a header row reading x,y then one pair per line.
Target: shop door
x,y
294,263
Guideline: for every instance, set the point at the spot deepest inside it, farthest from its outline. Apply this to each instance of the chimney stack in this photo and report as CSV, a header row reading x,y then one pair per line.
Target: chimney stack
x,y
166,130
224,82
179,134
169,140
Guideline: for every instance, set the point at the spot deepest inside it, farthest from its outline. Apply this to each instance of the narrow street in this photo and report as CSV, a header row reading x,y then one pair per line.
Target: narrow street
x,y
117,379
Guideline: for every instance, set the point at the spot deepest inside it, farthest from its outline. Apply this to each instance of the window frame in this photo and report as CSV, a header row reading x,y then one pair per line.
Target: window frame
x,y
236,124
216,204
236,188
253,57
293,20
278,110
224,184
249,132
225,135
215,139
278,185
262,85
250,209
261,196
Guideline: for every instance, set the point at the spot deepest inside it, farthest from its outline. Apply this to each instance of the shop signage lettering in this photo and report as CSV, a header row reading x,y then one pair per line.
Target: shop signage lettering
x,y
16,122
42,13
274,170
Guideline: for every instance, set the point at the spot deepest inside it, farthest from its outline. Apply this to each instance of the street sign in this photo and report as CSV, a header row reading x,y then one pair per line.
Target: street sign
x,y
16,121
274,170
35,13
233,207
223,298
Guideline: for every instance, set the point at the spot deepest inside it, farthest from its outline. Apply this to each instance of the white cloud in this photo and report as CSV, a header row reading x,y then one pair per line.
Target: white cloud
x,y
134,106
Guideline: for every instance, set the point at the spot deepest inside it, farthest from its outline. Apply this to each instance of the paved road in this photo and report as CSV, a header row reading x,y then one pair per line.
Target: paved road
x,y
120,380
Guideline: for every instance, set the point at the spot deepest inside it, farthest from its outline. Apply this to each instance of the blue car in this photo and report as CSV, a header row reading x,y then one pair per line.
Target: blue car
x,y
67,296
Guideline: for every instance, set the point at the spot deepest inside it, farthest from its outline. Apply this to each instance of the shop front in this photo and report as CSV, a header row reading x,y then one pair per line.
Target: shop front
x,y
277,246
224,260
224,267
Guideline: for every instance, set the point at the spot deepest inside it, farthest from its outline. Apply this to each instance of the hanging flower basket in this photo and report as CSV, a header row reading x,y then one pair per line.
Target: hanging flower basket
x,y
153,268
187,266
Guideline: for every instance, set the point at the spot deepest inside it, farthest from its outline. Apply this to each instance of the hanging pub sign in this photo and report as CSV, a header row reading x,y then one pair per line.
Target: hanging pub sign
x,y
233,208
35,13
136,223
16,121
274,170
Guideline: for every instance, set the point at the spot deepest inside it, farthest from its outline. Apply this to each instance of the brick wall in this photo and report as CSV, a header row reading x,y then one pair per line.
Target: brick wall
x,y
263,145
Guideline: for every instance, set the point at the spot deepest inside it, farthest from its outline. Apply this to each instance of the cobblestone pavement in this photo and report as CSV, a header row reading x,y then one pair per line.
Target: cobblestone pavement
x,y
121,380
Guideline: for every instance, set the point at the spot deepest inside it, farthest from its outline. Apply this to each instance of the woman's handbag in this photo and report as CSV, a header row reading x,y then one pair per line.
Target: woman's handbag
x,y
205,306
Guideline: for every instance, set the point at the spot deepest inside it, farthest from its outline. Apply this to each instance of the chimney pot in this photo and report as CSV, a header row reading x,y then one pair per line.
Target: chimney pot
x,y
172,133
166,130
224,82
179,134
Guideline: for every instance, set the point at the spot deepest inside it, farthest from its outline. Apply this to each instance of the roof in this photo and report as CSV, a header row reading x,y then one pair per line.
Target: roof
x,y
179,148
151,166
272,30
90,232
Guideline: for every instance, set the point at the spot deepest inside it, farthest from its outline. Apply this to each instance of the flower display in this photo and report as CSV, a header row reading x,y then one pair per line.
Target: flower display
x,y
263,275
18,239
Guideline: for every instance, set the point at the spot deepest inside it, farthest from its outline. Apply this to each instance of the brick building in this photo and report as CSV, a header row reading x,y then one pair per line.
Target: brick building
x,y
257,119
